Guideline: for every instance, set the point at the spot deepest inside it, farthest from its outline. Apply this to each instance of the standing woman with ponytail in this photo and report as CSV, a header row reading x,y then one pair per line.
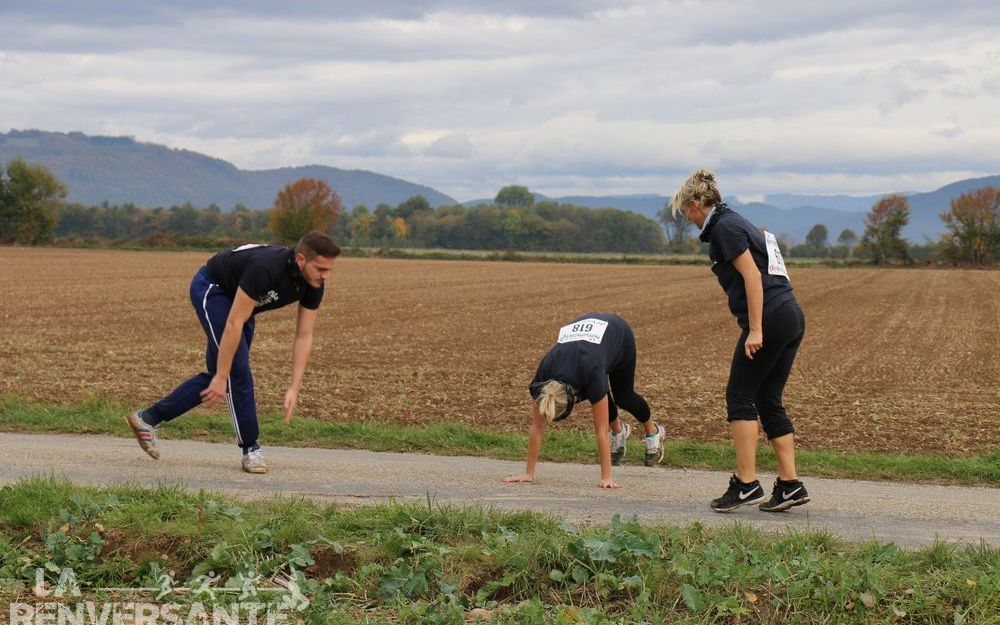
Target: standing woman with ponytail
x,y
594,359
750,269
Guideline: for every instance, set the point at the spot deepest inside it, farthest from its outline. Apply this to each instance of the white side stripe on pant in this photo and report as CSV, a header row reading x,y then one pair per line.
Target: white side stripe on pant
x,y
229,384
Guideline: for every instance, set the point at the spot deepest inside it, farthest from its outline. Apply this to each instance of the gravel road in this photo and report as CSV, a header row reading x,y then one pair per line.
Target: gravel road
x,y
907,514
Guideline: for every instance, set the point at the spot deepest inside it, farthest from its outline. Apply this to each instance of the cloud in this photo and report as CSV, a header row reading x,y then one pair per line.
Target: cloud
x,y
452,145
566,96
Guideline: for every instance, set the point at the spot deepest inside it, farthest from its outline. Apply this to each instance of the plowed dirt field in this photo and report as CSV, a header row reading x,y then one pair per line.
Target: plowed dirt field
x,y
892,360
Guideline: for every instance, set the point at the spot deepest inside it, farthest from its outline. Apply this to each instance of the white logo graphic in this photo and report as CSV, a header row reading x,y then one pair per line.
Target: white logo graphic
x,y
747,494
787,496
267,298
242,600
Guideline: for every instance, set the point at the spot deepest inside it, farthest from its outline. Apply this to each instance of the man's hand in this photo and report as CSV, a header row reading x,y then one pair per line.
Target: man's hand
x,y
609,484
216,390
518,478
291,398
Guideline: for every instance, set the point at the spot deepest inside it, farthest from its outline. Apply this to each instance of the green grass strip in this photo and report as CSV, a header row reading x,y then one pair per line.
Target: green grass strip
x,y
427,563
98,417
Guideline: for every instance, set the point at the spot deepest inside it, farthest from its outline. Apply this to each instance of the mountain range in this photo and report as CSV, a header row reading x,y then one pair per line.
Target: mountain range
x,y
120,169
791,216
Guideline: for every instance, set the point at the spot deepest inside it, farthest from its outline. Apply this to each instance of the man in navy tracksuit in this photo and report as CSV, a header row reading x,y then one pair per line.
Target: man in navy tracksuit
x,y
227,293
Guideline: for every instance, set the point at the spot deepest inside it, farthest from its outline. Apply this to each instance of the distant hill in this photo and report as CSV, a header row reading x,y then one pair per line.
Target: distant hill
x,y
793,215
792,224
121,169
644,204
851,203
926,208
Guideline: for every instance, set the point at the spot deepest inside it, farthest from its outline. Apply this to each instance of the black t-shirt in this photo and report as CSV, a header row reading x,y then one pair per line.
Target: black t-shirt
x,y
729,234
267,273
587,349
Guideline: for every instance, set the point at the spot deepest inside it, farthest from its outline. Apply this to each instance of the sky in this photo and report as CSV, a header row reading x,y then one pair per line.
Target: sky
x,y
567,97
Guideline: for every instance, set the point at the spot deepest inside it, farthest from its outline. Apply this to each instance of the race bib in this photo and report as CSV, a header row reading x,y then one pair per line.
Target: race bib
x,y
775,263
248,246
583,330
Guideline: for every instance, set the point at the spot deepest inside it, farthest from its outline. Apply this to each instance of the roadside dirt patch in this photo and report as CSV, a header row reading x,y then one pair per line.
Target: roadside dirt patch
x,y
328,562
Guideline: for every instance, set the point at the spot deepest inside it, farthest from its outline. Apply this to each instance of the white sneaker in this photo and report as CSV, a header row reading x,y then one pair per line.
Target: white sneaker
x,y
253,462
654,447
144,433
618,444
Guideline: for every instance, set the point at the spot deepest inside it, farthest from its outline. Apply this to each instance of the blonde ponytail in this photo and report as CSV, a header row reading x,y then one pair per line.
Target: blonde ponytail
x,y
701,186
552,400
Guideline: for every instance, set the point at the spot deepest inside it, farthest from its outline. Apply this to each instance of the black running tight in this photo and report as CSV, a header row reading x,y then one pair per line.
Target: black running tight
x,y
622,383
756,386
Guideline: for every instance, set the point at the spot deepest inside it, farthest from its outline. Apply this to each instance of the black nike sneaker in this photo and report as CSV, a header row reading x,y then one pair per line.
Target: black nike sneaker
x,y
739,494
786,495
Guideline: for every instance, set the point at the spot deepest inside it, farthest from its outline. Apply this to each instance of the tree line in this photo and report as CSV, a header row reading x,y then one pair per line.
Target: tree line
x,y
517,223
972,235
33,210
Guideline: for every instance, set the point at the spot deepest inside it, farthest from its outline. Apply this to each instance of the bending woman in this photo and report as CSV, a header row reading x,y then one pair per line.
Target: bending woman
x,y
750,269
593,359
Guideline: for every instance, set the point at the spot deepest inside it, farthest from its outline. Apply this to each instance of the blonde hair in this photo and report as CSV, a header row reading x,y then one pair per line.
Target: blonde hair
x,y
552,400
699,186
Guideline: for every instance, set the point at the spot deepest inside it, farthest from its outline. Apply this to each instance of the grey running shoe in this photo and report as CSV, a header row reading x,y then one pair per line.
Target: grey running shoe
x,y
654,447
739,494
786,495
253,461
618,444
144,433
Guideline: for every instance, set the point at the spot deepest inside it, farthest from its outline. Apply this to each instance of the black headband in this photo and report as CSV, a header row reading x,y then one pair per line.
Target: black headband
x,y
536,390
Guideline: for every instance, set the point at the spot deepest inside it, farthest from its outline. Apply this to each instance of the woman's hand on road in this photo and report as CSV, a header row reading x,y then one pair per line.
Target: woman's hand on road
x,y
518,478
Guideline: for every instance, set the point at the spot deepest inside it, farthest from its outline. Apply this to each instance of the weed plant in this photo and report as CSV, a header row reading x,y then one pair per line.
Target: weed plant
x,y
420,562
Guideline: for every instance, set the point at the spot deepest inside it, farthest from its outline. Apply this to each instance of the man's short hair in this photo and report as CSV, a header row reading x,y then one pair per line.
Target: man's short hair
x,y
317,244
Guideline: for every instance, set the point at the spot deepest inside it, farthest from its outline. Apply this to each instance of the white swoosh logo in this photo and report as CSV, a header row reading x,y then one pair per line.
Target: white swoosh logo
x,y
745,495
787,496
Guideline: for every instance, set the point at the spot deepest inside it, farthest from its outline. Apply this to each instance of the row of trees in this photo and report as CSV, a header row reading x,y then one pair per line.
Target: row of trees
x,y
972,237
514,221
818,244
33,210
128,221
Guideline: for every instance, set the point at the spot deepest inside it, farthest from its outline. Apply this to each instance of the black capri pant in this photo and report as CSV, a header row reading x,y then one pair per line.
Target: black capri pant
x,y
621,380
756,386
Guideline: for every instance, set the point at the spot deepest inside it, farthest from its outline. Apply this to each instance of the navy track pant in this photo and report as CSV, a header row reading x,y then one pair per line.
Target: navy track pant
x,y
212,305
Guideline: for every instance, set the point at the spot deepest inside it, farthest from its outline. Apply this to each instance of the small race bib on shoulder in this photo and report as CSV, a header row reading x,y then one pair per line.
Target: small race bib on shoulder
x,y
775,263
591,330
